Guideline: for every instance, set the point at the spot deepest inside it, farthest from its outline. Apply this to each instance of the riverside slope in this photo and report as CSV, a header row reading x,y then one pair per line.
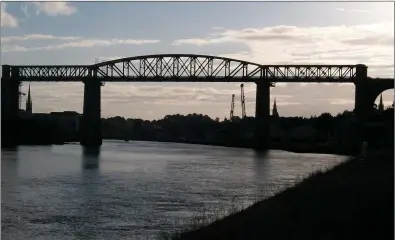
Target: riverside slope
x,y
354,200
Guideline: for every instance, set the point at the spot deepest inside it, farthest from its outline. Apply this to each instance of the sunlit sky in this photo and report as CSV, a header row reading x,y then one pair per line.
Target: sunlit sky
x,y
83,32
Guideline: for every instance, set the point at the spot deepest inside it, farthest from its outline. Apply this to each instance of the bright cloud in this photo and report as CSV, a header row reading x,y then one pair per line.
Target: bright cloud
x,y
7,20
370,44
36,37
352,10
133,99
341,101
104,59
83,43
54,8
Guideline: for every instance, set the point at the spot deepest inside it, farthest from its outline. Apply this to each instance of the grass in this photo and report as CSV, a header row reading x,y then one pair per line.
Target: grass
x,y
354,200
205,217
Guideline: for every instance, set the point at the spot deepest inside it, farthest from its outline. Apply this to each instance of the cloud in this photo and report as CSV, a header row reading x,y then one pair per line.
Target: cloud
x,y
370,44
367,44
352,10
335,101
134,99
104,59
37,37
197,41
288,103
84,43
54,8
7,20
13,48
371,40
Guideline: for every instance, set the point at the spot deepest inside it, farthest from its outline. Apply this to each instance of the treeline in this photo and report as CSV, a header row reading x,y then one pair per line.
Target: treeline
x,y
340,131
324,133
34,131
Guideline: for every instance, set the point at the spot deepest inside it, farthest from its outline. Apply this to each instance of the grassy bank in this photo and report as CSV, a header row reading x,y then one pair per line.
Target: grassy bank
x,y
354,200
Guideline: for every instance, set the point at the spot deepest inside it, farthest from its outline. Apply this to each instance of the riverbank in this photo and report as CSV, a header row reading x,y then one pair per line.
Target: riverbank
x,y
33,143
354,200
292,147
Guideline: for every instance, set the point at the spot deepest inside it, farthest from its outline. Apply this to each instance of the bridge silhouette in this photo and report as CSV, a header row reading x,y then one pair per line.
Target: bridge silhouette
x,y
184,68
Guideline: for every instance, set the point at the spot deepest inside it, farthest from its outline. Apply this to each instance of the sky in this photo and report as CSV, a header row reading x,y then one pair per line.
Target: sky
x,y
300,33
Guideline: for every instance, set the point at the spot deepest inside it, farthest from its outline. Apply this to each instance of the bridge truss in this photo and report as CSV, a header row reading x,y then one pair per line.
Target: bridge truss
x,y
185,68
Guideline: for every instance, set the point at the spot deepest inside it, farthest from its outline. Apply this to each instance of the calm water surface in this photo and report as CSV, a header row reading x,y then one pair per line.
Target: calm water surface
x,y
135,190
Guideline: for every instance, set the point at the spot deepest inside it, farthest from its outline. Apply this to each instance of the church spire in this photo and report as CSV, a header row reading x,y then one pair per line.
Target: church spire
x,y
381,105
29,104
275,111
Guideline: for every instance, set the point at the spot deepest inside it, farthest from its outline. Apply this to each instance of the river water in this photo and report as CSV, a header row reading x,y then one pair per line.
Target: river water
x,y
135,190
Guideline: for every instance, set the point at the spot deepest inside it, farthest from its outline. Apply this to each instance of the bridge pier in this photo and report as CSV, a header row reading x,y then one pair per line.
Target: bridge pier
x,y
9,106
262,115
91,136
360,107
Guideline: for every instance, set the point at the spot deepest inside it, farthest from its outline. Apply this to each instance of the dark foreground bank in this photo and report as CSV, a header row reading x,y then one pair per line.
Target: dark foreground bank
x,y
354,200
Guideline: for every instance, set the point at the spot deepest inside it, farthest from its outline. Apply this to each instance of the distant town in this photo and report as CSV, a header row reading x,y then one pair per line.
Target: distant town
x,y
324,133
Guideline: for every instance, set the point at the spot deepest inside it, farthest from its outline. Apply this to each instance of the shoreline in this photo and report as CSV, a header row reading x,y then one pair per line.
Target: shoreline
x,y
292,148
353,200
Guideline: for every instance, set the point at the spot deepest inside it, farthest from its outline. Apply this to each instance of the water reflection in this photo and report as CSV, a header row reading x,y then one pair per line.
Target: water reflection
x,y
258,155
9,167
126,191
90,158
261,164
9,149
88,214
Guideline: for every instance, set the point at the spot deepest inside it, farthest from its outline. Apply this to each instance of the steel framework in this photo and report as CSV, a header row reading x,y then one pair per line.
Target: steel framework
x,y
242,99
187,68
232,107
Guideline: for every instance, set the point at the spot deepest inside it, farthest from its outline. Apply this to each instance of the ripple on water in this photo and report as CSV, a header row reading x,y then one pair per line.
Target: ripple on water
x,y
135,190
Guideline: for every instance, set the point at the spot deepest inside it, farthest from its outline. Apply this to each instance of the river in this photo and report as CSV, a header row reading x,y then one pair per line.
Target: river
x,y
135,190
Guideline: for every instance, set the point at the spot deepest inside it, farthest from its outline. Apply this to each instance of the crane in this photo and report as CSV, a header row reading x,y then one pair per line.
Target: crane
x,y
232,107
243,106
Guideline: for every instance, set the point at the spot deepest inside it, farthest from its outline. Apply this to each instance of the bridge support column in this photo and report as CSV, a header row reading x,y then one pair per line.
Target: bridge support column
x,y
9,106
262,115
91,136
361,108
361,91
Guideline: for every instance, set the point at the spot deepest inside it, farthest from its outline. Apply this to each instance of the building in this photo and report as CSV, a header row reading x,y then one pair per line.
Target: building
x,y
29,103
67,120
381,105
27,112
275,111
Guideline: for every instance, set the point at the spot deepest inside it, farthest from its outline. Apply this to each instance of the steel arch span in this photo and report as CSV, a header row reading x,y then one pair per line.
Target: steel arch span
x,y
187,68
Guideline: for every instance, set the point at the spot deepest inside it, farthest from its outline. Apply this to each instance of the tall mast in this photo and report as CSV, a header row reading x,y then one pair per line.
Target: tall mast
x,y
243,106
232,107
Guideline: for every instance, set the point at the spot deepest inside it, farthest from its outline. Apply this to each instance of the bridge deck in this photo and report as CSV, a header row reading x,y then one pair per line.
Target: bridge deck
x,y
186,68
197,79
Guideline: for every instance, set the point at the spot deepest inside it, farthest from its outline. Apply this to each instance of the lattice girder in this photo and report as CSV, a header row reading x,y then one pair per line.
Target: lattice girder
x,y
188,68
